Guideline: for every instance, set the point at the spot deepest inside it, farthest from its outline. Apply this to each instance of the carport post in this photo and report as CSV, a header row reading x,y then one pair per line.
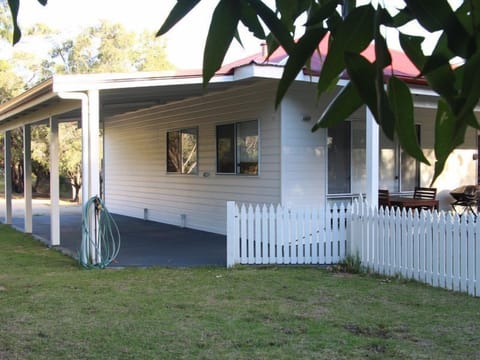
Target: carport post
x,y
94,162
94,142
54,184
7,148
27,177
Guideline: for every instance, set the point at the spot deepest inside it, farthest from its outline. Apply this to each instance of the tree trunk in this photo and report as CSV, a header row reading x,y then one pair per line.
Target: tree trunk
x,y
41,174
76,186
17,178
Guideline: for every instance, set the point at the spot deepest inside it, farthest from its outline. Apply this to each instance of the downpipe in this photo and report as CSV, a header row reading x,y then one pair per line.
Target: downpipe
x,y
85,186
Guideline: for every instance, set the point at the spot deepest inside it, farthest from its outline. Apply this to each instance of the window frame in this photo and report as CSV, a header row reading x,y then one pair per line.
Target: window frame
x,y
180,131
235,150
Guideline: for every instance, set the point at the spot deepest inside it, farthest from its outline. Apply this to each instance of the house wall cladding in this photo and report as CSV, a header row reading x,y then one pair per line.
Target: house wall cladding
x,y
304,152
135,159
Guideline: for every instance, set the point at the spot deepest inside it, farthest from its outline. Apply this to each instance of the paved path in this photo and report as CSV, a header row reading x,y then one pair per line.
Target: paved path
x,y
143,243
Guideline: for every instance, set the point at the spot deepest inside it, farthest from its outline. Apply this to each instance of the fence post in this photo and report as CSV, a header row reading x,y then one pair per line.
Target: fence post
x,y
231,234
352,232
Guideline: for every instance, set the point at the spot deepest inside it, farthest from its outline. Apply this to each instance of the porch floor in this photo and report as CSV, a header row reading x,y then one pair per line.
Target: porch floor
x,y
143,243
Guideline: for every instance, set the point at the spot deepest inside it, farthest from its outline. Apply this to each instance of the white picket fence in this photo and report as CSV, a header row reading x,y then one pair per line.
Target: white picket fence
x,y
437,248
276,235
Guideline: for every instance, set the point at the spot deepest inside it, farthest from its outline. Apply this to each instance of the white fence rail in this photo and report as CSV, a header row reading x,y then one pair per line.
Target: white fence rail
x,y
437,248
276,235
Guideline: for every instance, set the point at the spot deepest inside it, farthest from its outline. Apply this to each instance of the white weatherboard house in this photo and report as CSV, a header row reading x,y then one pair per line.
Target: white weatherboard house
x,y
176,152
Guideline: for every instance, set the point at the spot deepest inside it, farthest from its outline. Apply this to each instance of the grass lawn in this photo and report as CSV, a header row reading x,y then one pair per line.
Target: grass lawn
x,y
52,309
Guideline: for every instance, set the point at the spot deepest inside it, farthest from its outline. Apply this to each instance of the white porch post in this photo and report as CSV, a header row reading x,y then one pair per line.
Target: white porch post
x,y
94,143
7,148
54,184
27,177
93,163
373,149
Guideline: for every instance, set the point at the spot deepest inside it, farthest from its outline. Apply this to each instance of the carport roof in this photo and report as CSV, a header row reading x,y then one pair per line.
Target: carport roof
x,y
119,93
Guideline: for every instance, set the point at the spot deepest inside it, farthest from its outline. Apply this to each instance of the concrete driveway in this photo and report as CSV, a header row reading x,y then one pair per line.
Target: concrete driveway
x,y
143,243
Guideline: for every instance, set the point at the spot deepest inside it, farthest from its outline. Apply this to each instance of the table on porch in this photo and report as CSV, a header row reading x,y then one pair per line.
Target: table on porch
x,y
412,203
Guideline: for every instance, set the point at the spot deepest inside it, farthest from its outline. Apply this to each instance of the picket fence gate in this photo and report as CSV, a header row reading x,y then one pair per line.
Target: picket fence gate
x,y
437,248
264,234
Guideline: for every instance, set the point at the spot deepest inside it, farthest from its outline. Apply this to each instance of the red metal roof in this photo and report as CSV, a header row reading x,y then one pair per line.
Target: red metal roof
x,y
401,64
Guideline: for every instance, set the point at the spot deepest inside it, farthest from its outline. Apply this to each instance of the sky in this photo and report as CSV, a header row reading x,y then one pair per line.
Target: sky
x,y
185,42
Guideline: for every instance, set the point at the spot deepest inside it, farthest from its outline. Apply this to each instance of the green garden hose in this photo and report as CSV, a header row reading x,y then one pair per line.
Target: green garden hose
x,y
100,236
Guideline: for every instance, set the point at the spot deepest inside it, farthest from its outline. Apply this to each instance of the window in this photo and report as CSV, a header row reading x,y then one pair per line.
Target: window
x,y
347,172
339,151
237,148
182,149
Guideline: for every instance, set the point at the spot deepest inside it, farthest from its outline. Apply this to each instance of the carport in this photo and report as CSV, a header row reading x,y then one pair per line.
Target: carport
x,y
88,100
143,242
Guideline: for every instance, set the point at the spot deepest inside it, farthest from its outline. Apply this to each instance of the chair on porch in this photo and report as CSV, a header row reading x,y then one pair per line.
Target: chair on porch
x,y
383,198
466,199
425,193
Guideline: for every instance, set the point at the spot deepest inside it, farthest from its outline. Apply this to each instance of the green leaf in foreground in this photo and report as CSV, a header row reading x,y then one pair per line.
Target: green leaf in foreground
x,y
302,51
470,88
278,30
443,19
223,29
353,35
319,13
345,104
364,76
14,6
449,133
402,107
431,20
181,8
250,20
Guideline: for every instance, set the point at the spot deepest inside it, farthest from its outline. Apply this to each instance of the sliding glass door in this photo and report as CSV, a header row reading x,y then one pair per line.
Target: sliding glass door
x,y
347,159
399,172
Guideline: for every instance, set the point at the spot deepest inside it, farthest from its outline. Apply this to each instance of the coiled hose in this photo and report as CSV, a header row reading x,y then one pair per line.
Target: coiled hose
x,y
100,236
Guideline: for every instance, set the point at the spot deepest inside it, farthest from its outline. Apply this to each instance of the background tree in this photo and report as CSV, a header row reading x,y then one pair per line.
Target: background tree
x,y
40,157
105,47
71,157
10,83
102,48
6,25
17,160
151,53
109,47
